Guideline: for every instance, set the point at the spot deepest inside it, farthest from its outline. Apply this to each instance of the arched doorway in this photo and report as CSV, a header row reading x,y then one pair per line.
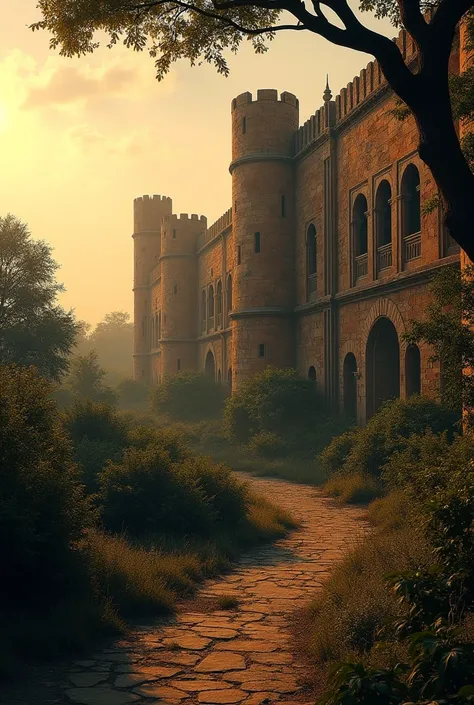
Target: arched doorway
x,y
210,366
312,373
412,370
350,385
382,365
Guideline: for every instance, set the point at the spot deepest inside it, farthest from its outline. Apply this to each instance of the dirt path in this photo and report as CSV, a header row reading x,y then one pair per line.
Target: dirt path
x,y
239,655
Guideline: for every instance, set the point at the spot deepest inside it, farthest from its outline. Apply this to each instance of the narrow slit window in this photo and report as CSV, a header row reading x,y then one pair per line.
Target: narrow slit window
x,y
174,234
239,254
283,207
175,289
235,206
244,125
257,242
178,365
261,350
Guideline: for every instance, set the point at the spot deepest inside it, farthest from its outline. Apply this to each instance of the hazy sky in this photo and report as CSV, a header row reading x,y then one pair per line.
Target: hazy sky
x,y
81,138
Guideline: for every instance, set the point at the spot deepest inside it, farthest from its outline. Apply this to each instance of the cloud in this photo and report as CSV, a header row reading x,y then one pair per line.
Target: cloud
x,y
67,84
86,139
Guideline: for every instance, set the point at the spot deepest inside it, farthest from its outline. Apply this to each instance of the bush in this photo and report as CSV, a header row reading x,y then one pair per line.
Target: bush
x,y
333,457
132,393
148,493
268,445
98,435
188,396
43,512
275,400
354,489
388,431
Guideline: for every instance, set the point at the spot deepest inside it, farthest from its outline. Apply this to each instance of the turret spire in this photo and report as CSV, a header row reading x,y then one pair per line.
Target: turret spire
x,y
327,95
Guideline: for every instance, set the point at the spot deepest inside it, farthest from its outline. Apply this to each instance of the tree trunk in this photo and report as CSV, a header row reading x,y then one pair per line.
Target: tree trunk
x,y
441,151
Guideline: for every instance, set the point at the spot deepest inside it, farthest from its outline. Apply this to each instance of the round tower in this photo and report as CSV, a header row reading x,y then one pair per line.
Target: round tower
x,y
263,232
179,299
148,214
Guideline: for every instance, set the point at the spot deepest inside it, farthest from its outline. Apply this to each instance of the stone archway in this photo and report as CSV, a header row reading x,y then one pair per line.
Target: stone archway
x,y
312,373
350,385
382,365
210,366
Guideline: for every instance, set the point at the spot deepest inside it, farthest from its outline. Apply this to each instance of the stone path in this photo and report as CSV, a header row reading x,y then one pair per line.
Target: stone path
x,y
238,655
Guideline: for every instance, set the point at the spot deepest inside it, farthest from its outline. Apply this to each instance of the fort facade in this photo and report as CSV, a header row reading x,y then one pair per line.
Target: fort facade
x,y
323,258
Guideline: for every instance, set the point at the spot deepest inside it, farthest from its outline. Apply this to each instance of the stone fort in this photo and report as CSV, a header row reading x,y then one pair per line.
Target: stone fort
x,y
323,258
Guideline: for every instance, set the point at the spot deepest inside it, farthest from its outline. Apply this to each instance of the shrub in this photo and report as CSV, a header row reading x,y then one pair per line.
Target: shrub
x,y
43,512
268,445
359,488
275,400
387,432
98,434
188,396
132,393
149,493
333,457
427,463
171,440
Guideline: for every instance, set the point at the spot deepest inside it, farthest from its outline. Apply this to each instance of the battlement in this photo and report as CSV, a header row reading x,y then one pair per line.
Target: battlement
x,y
155,198
184,218
265,94
365,85
221,224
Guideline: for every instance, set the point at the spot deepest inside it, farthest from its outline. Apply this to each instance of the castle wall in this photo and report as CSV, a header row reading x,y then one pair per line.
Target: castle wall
x,y
216,301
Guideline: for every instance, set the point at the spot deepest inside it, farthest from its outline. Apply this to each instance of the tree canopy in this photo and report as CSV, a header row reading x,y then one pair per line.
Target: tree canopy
x,y
34,329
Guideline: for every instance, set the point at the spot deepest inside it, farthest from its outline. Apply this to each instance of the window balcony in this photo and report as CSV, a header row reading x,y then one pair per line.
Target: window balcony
x,y
412,247
361,266
384,256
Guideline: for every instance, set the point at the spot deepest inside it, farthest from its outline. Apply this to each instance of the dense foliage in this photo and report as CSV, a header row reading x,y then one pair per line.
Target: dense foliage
x,y
422,620
448,328
43,511
34,329
386,433
188,396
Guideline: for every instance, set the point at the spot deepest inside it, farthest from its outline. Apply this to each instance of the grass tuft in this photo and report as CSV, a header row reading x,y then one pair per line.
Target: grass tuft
x,y
228,602
359,488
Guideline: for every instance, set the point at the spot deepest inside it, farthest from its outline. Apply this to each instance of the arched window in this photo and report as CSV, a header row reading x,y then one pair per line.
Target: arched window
x,y
203,310
311,262
210,303
219,303
360,244
411,213
229,293
383,210
312,373
413,370
411,221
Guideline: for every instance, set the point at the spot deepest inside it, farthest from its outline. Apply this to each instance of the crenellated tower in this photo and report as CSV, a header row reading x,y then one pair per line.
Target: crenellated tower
x,y
148,214
263,231
179,291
